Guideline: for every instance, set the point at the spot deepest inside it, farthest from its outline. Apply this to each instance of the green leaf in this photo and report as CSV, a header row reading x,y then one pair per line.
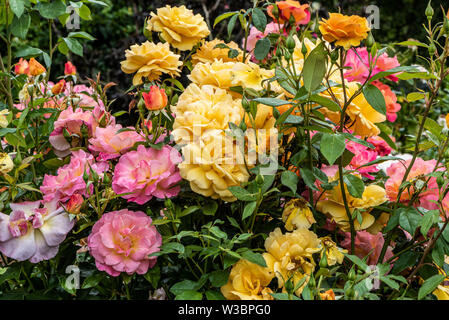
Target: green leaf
x,y
415,96
185,285
290,180
262,49
407,259
253,257
389,282
51,10
387,73
209,208
231,24
325,102
20,26
259,19
80,34
214,295
428,220
223,17
17,6
92,281
272,102
355,185
249,209
375,98
409,219
332,146
74,46
218,278
357,261
412,43
84,12
189,295
242,194
308,177
28,52
430,285
314,68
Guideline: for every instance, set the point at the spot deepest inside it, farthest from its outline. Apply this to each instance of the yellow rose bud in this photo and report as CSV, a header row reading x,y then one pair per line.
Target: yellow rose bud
x,y
6,164
3,120
297,215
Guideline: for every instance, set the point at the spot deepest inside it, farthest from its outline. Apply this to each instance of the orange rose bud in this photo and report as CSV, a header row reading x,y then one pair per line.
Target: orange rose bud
x,y
36,68
22,67
156,99
288,8
69,69
74,204
447,120
59,87
328,295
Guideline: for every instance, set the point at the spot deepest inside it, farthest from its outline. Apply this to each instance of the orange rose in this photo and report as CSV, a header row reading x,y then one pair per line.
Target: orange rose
x,y
288,8
59,87
347,31
22,67
156,99
327,295
35,68
69,69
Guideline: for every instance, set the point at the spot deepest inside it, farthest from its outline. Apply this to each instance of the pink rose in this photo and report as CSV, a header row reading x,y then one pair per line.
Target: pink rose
x,y
362,156
391,100
255,35
367,244
110,144
85,96
121,241
32,232
359,65
69,179
147,173
382,148
396,172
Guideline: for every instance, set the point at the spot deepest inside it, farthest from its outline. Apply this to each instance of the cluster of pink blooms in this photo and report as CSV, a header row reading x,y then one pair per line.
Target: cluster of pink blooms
x,y
121,241
420,168
255,35
358,62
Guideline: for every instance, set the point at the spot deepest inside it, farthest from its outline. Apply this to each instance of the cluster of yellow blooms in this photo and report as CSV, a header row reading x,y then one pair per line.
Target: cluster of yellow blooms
x,y
288,256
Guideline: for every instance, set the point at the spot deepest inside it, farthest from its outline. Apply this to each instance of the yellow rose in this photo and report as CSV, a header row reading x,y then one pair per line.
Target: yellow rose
x,y
204,108
334,208
297,215
333,253
327,295
3,120
151,60
289,255
347,31
6,164
379,224
363,117
217,73
208,53
213,164
442,291
250,75
178,26
248,281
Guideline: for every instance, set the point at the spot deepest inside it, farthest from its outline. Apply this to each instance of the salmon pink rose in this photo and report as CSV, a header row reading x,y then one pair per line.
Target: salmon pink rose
x,y
367,244
69,69
391,100
33,230
110,143
147,173
121,241
69,179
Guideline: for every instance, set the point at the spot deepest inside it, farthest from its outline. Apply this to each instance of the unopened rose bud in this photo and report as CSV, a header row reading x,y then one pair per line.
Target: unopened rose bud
x,y
156,99
432,49
59,87
370,41
259,180
429,11
69,69
35,68
75,203
290,43
304,49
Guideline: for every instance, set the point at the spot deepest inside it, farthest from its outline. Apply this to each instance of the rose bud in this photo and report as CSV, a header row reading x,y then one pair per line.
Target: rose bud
x,y
36,68
59,87
75,203
156,99
22,67
69,69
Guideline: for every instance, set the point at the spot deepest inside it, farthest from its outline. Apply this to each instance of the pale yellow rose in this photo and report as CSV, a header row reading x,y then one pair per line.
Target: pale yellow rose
x,y
362,116
217,73
179,26
6,164
248,281
150,61
334,208
213,164
297,214
3,120
208,53
250,75
204,108
379,224
442,291
334,254
289,255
